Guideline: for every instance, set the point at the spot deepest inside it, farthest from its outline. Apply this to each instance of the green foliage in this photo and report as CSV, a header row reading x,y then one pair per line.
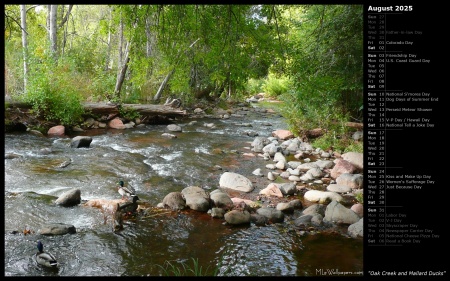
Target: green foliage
x,y
275,87
254,86
184,269
53,93
128,113
102,84
359,197
326,67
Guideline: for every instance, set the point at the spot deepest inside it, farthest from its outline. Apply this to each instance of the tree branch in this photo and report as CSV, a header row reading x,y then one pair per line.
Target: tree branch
x,y
66,17
17,23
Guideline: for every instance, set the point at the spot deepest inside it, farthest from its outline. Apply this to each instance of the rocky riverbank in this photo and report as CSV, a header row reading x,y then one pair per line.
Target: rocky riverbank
x,y
309,189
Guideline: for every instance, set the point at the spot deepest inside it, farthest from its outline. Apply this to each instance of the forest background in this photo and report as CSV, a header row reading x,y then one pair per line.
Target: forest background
x,y
310,57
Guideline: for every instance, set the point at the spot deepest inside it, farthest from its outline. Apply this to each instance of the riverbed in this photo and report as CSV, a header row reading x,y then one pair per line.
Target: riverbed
x,y
155,166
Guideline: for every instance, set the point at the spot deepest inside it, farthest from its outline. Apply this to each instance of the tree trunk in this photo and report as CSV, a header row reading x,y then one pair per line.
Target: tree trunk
x,y
108,52
121,75
119,62
163,84
23,16
53,36
63,21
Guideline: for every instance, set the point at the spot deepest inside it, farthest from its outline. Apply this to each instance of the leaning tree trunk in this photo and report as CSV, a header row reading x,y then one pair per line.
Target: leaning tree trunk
x,y
163,85
123,71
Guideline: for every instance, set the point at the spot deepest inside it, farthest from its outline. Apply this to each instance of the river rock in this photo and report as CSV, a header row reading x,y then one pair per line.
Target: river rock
x,y
358,135
288,188
358,208
116,123
339,188
218,213
272,148
80,141
57,229
273,215
304,220
69,198
221,200
259,220
322,197
315,173
281,165
175,201
356,158
237,217
174,128
236,182
356,229
259,143
36,133
285,207
355,181
258,173
283,134
337,213
167,135
56,131
307,166
12,155
272,190
342,167
305,146
279,157
315,209
324,164
196,198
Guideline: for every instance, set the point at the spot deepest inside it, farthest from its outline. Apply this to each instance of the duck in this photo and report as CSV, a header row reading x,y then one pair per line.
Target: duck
x,y
125,190
45,258
129,207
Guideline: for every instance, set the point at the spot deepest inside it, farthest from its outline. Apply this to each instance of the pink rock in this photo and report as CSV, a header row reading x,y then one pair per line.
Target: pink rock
x,y
283,134
272,190
56,130
358,209
116,123
342,166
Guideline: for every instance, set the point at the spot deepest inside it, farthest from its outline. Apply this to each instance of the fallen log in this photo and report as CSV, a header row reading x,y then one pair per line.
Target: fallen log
x,y
107,108
143,109
355,125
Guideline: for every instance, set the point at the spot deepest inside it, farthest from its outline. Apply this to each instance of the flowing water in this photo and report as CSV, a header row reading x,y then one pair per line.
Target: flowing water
x,y
160,244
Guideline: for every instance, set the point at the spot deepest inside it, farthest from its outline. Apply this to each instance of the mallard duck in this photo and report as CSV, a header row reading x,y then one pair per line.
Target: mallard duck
x,y
44,258
130,206
126,190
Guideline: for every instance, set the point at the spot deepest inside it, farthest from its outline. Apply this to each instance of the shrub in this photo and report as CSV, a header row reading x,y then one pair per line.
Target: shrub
x,y
275,87
54,95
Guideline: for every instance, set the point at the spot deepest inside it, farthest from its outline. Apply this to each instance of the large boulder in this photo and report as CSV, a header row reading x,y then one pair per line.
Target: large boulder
x,y
196,198
322,197
81,141
337,213
236,182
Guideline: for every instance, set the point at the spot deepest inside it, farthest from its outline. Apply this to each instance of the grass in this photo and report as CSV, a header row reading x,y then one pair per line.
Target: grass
x,y
184,269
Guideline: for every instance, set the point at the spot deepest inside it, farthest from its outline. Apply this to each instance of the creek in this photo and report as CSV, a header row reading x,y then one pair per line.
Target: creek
x,y
155,166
